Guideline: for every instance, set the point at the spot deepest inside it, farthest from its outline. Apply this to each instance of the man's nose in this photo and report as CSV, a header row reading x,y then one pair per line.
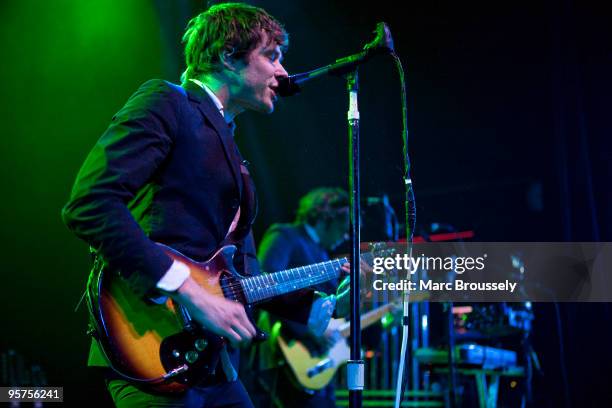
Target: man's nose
x,y
280,71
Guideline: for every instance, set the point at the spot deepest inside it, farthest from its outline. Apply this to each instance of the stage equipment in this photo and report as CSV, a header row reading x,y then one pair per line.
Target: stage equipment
x,y
18,371
385,398
470,354
486,364
490,320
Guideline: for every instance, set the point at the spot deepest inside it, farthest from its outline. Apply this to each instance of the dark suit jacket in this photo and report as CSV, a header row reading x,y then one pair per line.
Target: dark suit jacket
x,y
288,246
168,170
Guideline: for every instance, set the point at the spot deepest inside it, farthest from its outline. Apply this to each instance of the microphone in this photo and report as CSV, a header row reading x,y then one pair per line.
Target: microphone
x,y
381,44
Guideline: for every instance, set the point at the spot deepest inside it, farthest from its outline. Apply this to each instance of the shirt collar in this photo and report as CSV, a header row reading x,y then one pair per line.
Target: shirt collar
x,y
216,101
312,233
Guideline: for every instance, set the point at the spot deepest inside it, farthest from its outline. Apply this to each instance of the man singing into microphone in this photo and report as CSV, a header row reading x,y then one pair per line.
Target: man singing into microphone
x,y
168,170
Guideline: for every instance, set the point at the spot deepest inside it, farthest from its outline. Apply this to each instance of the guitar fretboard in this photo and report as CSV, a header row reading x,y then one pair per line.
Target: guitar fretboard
x,y
267,285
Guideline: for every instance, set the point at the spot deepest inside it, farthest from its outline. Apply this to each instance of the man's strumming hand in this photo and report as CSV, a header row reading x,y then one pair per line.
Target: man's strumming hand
x,y
217,314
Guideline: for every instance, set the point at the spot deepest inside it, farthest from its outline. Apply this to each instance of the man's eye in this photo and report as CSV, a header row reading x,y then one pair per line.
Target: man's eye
x,y
273,56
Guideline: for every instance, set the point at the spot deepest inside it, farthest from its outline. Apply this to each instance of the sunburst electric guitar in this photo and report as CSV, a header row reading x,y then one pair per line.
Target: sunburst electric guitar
x,y
155,342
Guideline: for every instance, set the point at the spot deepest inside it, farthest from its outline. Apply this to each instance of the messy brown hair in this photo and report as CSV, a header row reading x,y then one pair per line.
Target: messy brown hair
x,y
322,204
232,28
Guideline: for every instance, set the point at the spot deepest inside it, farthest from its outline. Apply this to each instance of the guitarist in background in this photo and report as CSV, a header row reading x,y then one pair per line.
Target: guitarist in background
x,y
167,170
321,225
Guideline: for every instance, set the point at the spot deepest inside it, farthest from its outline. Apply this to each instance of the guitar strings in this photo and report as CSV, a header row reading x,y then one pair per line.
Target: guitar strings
x,y
318,268
298,282
339,261
238,284
315,280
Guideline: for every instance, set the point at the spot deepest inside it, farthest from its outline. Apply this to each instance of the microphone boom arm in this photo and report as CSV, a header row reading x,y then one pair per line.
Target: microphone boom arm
x,y
381,44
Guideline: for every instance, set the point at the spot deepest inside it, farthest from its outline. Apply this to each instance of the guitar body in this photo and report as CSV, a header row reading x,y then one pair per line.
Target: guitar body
x,y
314,372
146,339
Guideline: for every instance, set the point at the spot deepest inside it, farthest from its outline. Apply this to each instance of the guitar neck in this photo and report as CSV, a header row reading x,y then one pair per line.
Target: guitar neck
x,y
371,317
268,285
367,319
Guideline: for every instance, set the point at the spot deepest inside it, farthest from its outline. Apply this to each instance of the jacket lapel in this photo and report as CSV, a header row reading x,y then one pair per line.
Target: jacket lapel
x,y
209,110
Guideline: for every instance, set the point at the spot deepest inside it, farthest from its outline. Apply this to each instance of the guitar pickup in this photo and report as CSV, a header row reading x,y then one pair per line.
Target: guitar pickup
x,y
319,368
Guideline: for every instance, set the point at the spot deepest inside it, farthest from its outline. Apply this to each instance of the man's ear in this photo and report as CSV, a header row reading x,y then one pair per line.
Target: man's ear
x,y
228,60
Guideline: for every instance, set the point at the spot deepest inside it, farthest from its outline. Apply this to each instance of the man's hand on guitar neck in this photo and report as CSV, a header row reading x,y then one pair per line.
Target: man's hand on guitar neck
x,y
332,333
217,314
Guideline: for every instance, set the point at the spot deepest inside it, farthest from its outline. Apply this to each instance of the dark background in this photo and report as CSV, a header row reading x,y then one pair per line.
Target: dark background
x,y
509,137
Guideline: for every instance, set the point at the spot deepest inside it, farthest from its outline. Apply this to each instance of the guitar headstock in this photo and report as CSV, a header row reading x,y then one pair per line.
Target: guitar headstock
x,y
381,249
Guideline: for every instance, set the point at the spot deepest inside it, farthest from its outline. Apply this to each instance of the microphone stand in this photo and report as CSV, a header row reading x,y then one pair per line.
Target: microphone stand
x,y
355,366
381,44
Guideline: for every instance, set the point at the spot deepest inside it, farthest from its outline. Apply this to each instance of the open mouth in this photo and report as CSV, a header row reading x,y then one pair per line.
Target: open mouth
x,y
274,92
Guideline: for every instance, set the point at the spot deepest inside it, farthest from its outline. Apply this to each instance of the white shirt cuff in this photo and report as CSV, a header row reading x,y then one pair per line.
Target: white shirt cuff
x,y
174,277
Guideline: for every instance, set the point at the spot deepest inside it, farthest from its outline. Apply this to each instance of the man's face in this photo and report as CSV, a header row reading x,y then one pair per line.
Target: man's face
x,y
258,77
335,231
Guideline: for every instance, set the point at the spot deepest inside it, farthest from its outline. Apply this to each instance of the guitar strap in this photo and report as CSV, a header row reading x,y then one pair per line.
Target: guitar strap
x,y
239,236
95,325
248,204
